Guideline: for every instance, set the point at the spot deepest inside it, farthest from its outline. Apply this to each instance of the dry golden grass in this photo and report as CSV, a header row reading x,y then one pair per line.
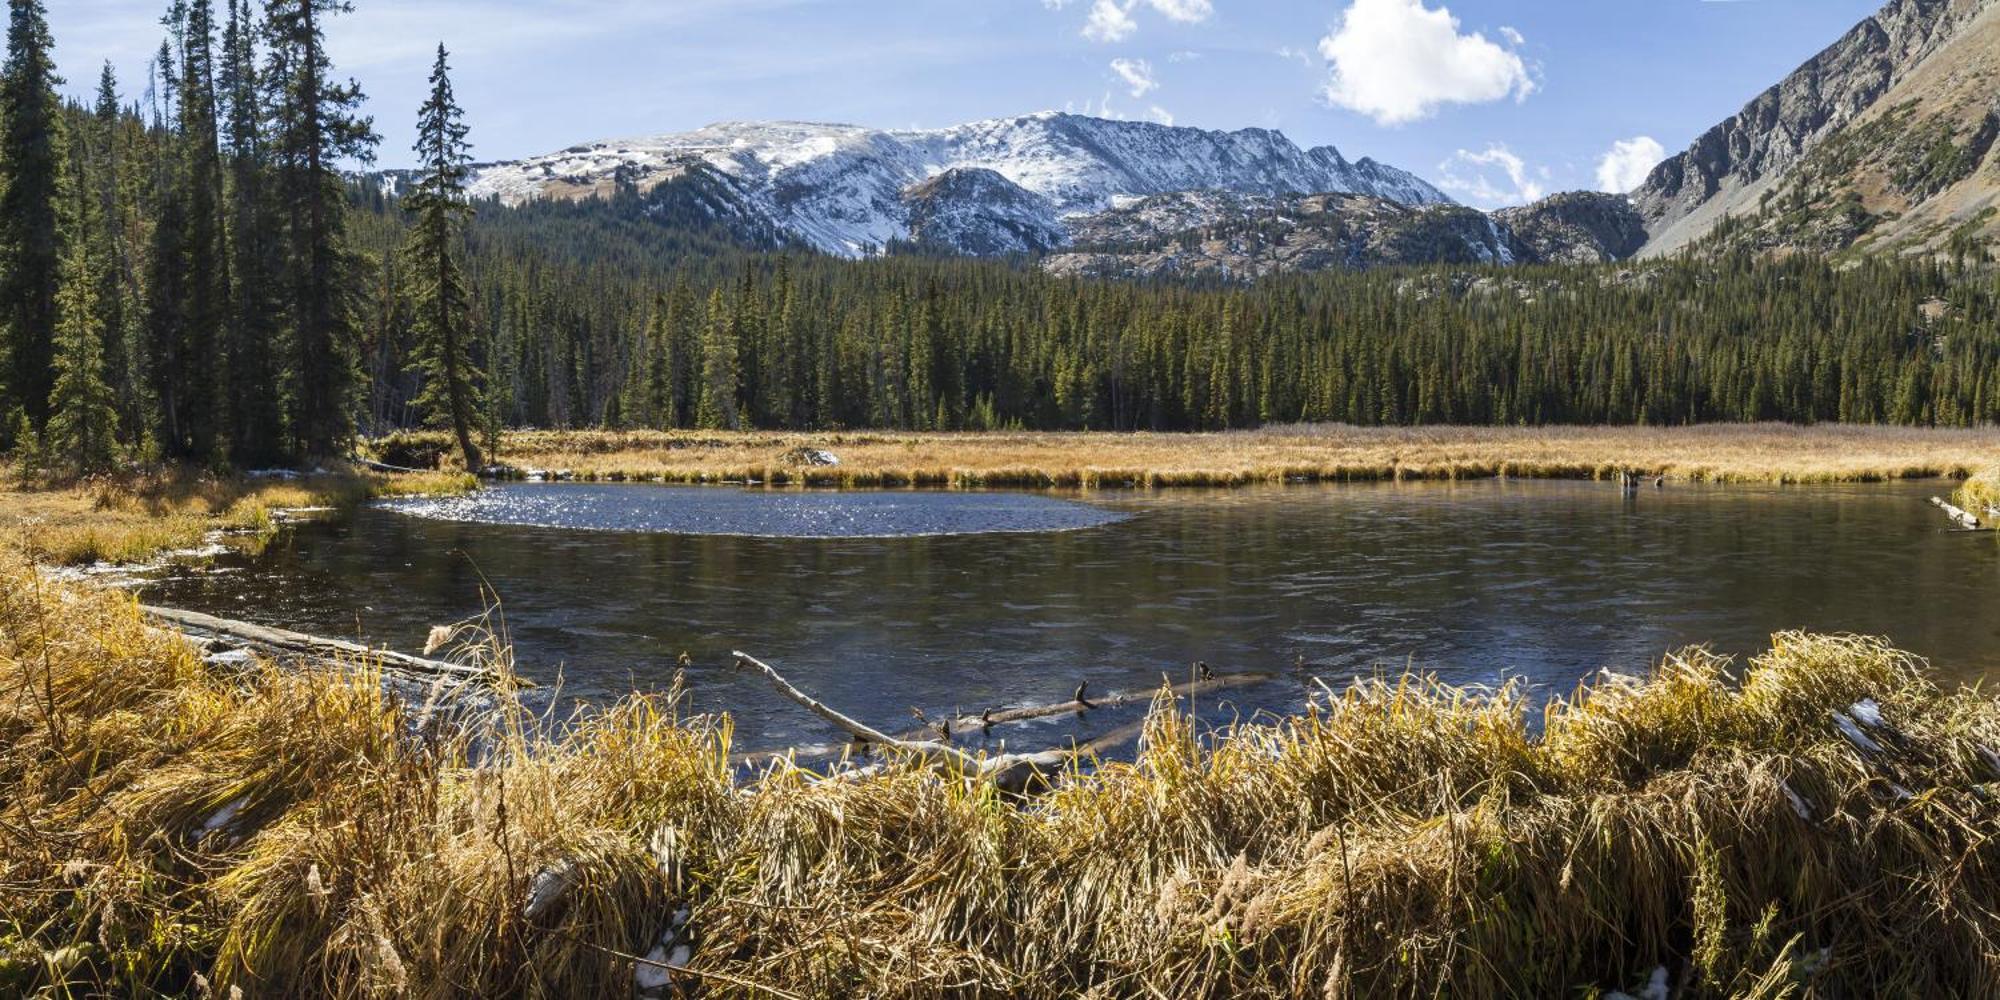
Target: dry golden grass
x,y
1821,825
130,518
1732,453
1981,494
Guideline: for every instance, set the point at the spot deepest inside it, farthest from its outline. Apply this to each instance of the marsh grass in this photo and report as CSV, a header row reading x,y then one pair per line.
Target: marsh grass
x,y
131,517
1821,819
1981,493
1717,453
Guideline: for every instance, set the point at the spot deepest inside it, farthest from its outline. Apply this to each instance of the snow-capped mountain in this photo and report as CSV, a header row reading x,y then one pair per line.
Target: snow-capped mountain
x,y
999,186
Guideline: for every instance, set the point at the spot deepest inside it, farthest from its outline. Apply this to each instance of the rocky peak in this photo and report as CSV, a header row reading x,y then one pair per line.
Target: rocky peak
x,y
1729,169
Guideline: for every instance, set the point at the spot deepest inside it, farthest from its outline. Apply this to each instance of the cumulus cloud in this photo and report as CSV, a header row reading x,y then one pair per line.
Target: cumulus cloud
x,y
1161,115
1112,20
1398,61
1137,74
1491,177
1626,165
1109,22
1184,11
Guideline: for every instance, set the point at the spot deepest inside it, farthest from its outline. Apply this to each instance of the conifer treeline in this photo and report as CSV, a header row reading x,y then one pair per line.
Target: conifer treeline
x,y
191,275
629,339
184,258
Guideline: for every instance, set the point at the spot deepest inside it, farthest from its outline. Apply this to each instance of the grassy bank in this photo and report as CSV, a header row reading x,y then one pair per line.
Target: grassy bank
x,y
1722,453
1981,493
167,828
129,518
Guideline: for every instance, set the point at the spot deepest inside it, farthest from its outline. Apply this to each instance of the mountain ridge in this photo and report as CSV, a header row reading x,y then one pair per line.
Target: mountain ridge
x,y
1833,155
846,189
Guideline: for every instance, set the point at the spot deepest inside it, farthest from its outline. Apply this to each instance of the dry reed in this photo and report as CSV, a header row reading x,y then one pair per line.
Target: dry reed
x,y
1822,823
130,518
1716,453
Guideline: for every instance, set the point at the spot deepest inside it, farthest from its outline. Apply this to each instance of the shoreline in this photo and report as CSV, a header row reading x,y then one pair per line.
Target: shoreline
x,y
1754,453
256,806
1679,803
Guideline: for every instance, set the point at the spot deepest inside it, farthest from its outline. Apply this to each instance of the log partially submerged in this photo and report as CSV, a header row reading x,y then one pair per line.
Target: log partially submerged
x,y
968,724
314,647
1962,518
1009,772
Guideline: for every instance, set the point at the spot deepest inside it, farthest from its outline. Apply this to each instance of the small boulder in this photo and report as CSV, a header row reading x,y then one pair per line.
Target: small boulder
x,y
811,458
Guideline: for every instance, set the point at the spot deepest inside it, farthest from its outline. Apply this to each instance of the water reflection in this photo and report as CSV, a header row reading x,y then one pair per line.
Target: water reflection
x,y
1478,582
757,513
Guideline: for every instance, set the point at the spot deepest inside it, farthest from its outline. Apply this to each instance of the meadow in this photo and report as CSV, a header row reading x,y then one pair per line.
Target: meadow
x,y
131,516
1310,453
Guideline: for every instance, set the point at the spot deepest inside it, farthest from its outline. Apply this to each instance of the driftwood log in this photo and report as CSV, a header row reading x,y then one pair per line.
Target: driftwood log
x,y
969,724
1012,772
316,648
1962,518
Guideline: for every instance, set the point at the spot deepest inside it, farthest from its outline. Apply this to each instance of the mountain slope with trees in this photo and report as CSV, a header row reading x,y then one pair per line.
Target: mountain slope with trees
x,y
1885,142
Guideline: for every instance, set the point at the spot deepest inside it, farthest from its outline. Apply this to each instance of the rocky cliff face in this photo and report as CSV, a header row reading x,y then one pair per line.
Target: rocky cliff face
x,y
975,211
1579,227
1898,113
1243,237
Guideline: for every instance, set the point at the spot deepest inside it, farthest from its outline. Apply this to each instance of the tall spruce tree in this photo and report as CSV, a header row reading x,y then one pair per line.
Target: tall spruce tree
x,y
721,375
111,182
83,420
441,304
31,159
312,126
189,309
255,420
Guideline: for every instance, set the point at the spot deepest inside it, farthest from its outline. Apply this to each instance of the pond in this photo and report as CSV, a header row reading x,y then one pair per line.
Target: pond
x,y
1477,582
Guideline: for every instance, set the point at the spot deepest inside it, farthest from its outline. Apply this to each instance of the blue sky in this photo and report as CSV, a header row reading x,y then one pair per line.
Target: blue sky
x,y
1496,100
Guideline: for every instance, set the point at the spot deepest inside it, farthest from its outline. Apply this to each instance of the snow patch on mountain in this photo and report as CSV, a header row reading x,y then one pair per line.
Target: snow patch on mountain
x,y
851,190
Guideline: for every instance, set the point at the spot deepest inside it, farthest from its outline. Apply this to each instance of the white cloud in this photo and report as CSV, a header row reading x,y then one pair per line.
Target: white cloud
x,y
1398,61
1184,11
1161,115
1112,21
1137,74
1109,22
1627,163
1491,178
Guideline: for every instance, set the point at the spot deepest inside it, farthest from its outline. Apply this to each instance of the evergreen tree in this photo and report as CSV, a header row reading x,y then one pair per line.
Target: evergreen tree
x,y
312,127
31,251
255,422
82,420
105,144
442,305
720,376
189,308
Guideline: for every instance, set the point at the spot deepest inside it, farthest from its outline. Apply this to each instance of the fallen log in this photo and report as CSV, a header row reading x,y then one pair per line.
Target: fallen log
x,y
966,724
317,648
1009,772
374,466
1962,518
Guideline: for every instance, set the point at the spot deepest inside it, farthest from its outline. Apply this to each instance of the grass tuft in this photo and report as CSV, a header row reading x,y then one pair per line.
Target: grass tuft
x,y
164,824
131,518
